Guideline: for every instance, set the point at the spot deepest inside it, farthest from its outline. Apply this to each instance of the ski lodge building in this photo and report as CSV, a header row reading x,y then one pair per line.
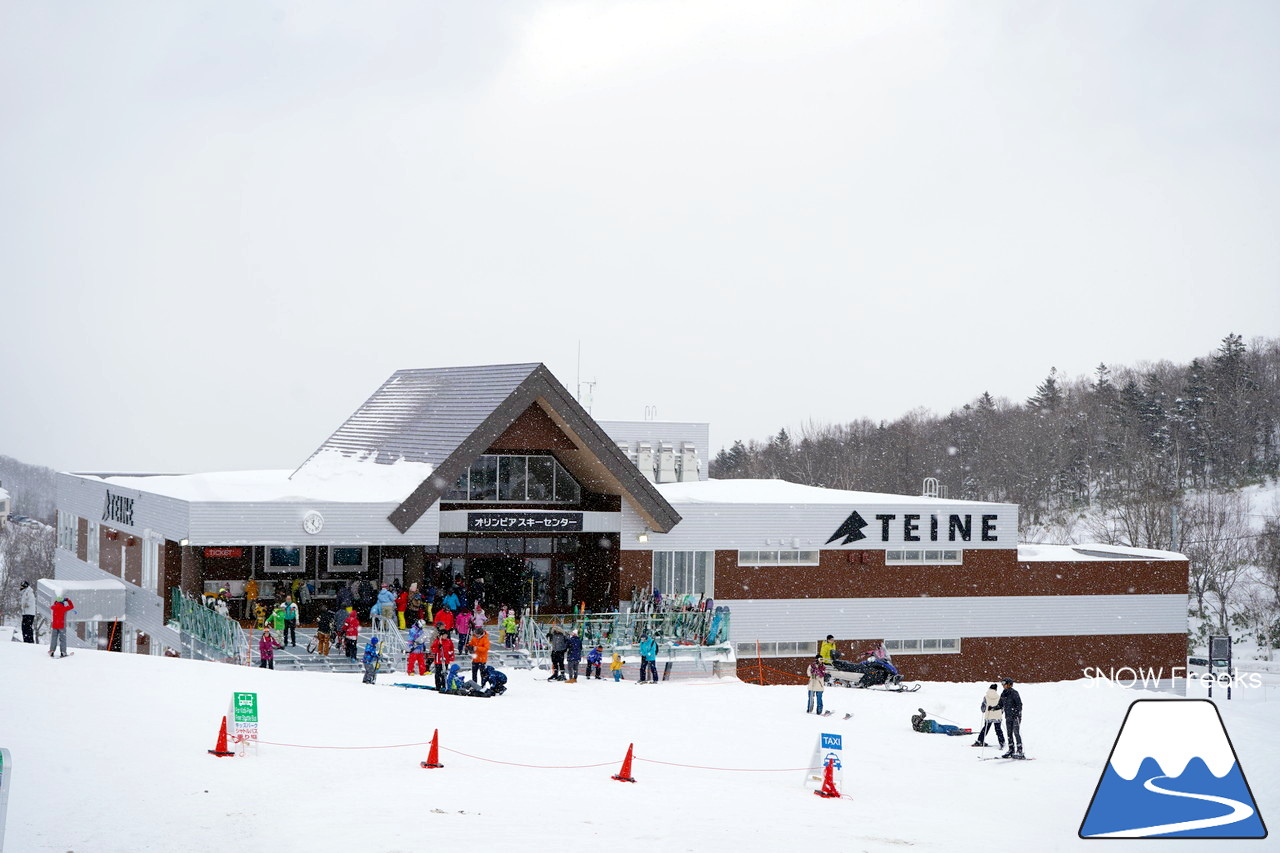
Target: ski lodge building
x,y
497,473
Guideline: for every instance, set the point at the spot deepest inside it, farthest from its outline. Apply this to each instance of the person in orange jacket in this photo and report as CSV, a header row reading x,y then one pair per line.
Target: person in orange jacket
x,y
480,659
442,654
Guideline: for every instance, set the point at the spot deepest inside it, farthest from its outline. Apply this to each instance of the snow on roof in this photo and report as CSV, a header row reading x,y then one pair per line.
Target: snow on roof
x,y
330,476
784,492
1030,553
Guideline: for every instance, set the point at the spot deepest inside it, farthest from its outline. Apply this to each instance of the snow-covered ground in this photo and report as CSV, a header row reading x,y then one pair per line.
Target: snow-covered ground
x,y
109,754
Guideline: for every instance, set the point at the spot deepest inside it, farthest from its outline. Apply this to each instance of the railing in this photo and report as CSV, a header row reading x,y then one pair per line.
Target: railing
x,y
395,653
207,633
692,628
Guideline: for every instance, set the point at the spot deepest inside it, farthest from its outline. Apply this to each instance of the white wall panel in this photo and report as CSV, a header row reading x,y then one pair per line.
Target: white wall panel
x,y
280,523
87,497
744,526
977,616
144,611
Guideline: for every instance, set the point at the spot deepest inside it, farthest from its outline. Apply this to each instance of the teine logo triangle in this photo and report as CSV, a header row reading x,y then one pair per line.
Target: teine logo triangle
x,y
1172,773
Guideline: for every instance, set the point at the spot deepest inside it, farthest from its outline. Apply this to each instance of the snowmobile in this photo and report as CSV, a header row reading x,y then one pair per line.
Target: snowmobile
x,y
872,672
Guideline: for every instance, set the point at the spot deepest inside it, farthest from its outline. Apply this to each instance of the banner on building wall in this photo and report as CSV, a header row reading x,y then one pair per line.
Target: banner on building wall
x,y
526,522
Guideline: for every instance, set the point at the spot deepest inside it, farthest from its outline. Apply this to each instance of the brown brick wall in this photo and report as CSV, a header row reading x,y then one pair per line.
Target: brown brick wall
x,y
1019,658
863,574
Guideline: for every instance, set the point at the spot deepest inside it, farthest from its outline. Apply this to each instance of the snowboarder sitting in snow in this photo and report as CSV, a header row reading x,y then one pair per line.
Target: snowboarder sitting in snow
x,y
370,660
454,682
594,657
920,724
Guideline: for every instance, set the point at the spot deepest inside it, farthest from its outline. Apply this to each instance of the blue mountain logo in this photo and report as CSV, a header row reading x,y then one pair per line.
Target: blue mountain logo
x,y
1173,773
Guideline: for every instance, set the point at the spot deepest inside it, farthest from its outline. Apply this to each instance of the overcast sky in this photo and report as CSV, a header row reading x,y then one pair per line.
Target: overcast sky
x,y
224,224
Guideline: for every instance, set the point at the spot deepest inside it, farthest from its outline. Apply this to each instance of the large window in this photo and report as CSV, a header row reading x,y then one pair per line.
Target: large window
x,y
67,530
797,649
943,646
516,479
353,559
778,558
922,557
150,564
684,572
283,558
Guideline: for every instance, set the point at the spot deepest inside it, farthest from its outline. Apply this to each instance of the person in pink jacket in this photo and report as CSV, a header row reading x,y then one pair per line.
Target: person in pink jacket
x,y
267,651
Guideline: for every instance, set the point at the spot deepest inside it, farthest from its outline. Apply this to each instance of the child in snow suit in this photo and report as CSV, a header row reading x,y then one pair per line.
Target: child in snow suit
x,y
267,651
350,631
462,624
509,631
454,682
615,666
497,681
594,657
418,647
991,717
817,679
574,653
370,660
442,653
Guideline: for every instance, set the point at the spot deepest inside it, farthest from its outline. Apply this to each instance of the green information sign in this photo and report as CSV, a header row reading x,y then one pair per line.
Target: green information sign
x,y
242,719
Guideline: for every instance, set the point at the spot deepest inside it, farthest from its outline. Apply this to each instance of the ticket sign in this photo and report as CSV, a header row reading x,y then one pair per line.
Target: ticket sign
x,y
828,750
243,717
6,779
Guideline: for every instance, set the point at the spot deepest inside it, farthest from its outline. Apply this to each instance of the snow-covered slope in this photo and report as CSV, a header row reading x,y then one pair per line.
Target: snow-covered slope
x,y
110,755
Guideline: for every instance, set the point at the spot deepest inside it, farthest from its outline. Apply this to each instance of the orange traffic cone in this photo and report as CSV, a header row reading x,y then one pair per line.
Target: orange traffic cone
x,y
624,775
220,749
433,756
828,781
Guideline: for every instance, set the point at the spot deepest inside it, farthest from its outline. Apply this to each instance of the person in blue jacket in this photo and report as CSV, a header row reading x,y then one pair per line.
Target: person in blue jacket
x,y
370,660
454,681
648,658
594,658
497,682
574,654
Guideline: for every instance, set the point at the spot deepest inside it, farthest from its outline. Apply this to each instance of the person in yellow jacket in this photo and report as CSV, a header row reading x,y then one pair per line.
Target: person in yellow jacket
x,y
615,666
825,648
250,598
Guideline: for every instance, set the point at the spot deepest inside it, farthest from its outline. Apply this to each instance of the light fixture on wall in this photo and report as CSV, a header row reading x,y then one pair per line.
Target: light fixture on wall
x,y
643,536
184,542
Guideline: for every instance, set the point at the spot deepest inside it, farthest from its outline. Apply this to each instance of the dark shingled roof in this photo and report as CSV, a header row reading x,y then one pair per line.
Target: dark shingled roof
x,y
449,416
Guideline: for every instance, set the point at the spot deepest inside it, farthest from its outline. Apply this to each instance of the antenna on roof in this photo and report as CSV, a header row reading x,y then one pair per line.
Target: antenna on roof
x,y
586,401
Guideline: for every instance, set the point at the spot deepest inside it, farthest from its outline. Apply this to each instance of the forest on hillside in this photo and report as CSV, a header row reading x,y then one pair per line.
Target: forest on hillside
x,y
1150,456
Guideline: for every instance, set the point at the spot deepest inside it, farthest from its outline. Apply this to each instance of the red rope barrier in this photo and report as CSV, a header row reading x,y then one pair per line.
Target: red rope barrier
x,y
730,769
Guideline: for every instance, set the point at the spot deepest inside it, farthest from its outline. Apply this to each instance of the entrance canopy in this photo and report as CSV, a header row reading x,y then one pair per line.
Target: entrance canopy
x,y
95,601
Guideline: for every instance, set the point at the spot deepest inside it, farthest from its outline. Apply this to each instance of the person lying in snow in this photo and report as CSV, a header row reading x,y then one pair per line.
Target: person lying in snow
x,y
920,724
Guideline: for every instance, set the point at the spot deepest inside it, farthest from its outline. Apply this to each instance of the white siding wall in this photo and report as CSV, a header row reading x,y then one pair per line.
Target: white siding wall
x,y
727,526
144,611
978,616
280,523
86,498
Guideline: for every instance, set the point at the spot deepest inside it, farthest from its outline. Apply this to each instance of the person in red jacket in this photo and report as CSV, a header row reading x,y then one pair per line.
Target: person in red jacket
x,y
350,633
58,625
444,620
442,653
402,604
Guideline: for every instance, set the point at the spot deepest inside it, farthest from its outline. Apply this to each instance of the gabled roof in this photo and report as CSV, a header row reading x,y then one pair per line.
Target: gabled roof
x,y
446,417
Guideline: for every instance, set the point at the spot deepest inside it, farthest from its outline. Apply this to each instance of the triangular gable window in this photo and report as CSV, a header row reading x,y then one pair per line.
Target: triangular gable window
x,y
515,479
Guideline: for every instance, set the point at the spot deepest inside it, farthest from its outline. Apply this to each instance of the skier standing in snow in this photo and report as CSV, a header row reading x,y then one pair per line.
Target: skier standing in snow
x,y
574,653
58,624
1011,703
442,654
370,660
991,717
558,644
817,681
648,659
28,601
